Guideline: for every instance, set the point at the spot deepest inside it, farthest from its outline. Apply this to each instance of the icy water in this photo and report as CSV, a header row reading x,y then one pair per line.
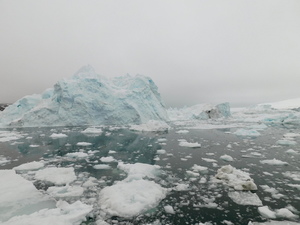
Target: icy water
x,y
203,200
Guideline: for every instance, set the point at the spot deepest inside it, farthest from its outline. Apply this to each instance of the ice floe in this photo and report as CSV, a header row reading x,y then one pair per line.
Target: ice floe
x,y
235,178
57,176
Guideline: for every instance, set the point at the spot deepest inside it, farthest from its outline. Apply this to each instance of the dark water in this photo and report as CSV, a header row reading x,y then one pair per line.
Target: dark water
x,y
132,147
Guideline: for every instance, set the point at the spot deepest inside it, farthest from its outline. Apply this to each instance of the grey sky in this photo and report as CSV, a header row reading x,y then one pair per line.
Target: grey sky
x,y
201,51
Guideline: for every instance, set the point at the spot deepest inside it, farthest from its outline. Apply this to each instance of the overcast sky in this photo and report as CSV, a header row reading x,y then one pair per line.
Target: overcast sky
x,y
196,51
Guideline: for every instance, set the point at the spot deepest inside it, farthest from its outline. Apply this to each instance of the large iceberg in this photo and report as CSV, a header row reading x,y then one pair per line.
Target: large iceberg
x,y
88,98
200,112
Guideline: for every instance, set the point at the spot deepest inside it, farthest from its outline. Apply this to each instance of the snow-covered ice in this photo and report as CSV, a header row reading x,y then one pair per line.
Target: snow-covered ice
x,y
184,143
246,132
235,178
30,166
59,135
245,198
274,162
58,176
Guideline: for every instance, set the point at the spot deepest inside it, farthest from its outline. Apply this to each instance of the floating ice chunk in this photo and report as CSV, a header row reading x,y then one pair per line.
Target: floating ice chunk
x,y
275,193
274,162
245,132
58,176
295,175
77,155
19,196
291,151
91,181
199,168
128,199
192,174
59,135
169,209
235,178
112,152
161,151
209,160
273,222
295,186
34,146
266,212
92,130
245,198
161,139
181,187
139,170
182,131
107,159
6,136
189,144
151,125
227,158
64,214
102,167
65,191
286,142
285,213
83,144
3,160
30,166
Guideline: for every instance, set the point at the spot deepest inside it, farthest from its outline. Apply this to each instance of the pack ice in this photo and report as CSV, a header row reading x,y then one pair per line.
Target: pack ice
x,y
89,99
200,112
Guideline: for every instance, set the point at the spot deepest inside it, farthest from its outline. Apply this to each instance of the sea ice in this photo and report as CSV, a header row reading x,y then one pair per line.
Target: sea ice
x,y
30,166
64,214
182,131
139,170
19,196
58,176
295,175
83,144
235,178
245,132
128,199
102,167
65,191
227,158
77,155
59,135
274,162
151,125
245,198
189,144
92,130
107,159
169,209
266,212
286,142
3,160
6,136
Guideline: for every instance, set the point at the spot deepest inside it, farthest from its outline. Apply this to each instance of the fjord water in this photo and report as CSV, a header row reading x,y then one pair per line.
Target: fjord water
x,y
202,201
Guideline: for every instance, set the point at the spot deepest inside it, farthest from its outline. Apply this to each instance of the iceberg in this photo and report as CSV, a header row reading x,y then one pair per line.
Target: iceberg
x,y
89,99
200,112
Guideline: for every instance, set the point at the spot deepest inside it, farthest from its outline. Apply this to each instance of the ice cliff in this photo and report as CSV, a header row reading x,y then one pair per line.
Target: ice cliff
x,y
89,99
200,112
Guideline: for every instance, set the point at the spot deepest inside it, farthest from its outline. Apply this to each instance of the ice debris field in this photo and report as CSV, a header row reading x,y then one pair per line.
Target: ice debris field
x,y
98,151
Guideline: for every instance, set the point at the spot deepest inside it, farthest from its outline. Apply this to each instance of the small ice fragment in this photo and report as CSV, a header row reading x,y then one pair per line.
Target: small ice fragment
x,y
227,158
58,135
266,212
189,144
83,144
30,166
169,209
107,159
101,167
274,162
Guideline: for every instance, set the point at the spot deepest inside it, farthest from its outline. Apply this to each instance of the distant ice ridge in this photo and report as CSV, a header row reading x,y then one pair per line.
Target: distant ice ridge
x,y
200,112
89,99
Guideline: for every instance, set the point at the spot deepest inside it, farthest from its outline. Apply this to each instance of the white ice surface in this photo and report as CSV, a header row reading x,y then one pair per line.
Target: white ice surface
x,y
236,178
92,130
59,135
19,196
64,214
274,162
30,166
246,132
129,199
189,144
58,176
151,125
245,198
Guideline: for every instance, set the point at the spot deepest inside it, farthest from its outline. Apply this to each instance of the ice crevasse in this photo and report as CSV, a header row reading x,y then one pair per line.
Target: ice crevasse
x,y
88,98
